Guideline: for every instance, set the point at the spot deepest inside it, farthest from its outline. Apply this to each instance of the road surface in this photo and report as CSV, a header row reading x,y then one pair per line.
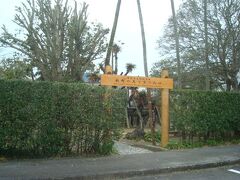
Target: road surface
x,y
220,173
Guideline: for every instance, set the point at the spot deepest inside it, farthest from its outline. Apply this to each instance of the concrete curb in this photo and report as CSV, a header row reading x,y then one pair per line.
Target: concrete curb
x,y
145,172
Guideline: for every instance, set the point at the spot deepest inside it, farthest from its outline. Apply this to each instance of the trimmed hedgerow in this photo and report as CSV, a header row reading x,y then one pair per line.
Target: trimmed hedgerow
x,y
205,115
39,119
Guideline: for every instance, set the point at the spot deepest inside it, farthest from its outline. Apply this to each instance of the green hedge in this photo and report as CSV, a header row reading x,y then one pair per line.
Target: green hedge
x,y
48,119
205,114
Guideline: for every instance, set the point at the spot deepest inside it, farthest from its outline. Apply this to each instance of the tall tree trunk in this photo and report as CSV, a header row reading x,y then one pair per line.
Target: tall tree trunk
x,y
207,73
179,81
116,63
112,57
143,39
146,69
114,28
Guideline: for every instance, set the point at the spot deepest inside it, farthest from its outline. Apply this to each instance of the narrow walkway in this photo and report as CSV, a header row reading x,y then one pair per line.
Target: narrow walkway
x,y
125,149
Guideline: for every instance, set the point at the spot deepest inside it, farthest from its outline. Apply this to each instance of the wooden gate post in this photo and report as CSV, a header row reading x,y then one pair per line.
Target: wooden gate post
x,y
108,70
164,112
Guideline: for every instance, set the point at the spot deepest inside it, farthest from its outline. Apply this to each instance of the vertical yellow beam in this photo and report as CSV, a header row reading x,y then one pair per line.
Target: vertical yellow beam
x,y
108,107
108,69
164,112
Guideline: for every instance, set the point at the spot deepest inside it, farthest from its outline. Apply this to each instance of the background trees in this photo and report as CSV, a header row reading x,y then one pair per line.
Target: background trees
x,y
15,69
175,26
209,41
56,39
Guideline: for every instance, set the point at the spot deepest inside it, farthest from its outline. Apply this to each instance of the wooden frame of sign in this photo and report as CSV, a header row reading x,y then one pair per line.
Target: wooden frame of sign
x,y
164,83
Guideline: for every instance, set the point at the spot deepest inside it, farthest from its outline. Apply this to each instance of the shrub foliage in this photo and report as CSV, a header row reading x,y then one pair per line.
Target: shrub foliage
x,y
205,114
46,119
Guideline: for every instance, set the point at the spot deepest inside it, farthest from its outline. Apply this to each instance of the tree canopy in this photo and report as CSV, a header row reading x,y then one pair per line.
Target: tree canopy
x,y
56,39
221,21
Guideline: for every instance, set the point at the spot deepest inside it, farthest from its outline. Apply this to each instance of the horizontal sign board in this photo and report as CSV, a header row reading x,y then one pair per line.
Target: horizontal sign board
x,y
136,81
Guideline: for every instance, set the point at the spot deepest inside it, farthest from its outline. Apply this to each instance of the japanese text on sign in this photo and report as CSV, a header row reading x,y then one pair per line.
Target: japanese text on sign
x,y
136,81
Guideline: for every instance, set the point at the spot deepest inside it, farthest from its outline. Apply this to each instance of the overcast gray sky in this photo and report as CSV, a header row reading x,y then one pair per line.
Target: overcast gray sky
x,y
155,16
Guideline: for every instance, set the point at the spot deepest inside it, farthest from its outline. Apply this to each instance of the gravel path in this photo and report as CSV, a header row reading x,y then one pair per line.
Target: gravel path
x,y
124,149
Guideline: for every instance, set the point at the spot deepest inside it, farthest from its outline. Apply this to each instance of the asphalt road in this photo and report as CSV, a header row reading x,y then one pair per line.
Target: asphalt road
x,y
220,173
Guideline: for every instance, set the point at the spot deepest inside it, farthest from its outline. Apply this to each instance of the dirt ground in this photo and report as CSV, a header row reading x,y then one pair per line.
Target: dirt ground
x,y
140,142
